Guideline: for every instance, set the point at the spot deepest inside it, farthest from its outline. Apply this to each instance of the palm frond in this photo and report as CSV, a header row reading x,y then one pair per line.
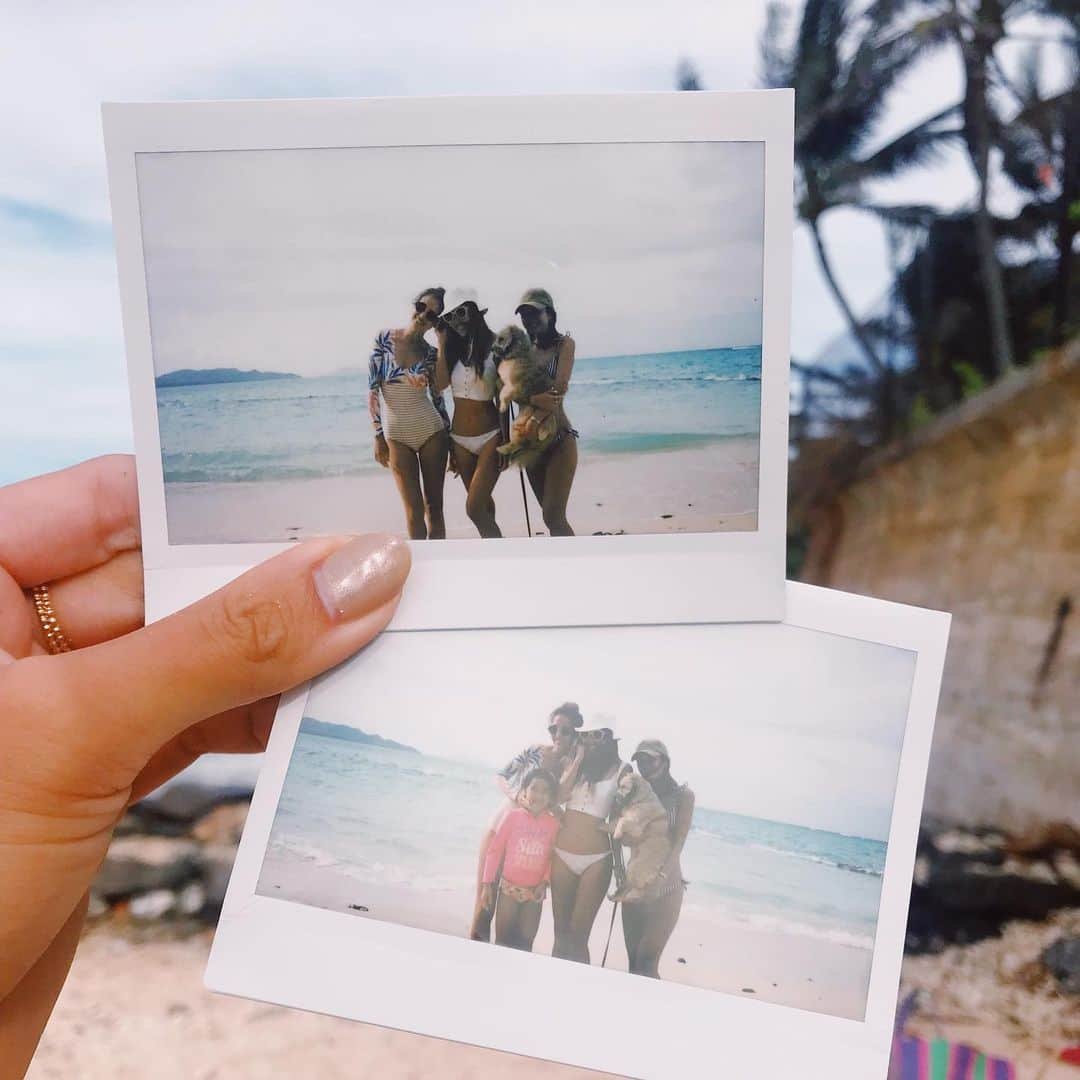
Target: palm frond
x,y
774,56
917,146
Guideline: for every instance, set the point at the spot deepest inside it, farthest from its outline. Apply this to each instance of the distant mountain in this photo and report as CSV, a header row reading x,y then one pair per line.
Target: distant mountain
x,y
191,377
310,726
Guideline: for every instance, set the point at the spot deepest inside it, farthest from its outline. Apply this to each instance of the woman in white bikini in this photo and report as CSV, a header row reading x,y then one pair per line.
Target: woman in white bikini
x,y
582,866
552,477
409,417
466,366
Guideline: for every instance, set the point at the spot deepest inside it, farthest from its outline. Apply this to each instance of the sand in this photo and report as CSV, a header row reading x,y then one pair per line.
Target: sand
x,y
770,965
708,489
134,1011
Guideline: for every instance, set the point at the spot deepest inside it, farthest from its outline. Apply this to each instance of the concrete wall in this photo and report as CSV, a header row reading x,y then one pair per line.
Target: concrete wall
x,y
980,515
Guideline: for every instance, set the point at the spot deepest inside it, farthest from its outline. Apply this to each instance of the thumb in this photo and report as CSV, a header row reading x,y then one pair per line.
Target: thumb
x,y
275,626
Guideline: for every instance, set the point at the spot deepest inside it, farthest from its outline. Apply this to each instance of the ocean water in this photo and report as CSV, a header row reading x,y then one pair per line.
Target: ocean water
x,y
392,817
307,428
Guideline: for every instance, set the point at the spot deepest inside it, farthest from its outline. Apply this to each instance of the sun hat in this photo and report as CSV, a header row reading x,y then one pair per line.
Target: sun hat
x,y
457,297
651,746
535,298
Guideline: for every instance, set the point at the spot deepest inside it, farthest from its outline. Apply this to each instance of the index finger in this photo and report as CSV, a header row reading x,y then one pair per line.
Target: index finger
x,y
63,523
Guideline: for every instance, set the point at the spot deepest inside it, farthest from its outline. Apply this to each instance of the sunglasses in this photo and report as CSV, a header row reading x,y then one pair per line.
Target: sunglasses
x,y
422,309
555,730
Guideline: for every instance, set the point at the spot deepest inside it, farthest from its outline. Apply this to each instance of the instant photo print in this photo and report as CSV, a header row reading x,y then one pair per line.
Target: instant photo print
x,y
545,337
656,851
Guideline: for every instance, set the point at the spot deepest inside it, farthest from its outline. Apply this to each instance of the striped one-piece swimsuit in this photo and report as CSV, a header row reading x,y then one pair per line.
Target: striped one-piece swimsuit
x,y
406,413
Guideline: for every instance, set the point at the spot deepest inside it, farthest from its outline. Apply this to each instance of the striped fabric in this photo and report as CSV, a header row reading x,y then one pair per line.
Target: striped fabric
x,y
411,407
938,1059
519,766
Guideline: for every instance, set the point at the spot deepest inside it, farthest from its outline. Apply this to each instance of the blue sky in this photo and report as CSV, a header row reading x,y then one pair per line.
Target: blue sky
x,y
61,354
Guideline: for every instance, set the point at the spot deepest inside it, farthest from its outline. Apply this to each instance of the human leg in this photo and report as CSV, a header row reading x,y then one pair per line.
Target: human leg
x,y
433,455
406,469
659,923
479,503
561,466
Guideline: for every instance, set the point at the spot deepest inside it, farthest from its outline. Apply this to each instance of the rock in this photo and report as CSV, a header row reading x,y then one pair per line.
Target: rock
x,y
152,905
1062,960
191,899
140,864
217,862
968,884
186,801
223,825
97,907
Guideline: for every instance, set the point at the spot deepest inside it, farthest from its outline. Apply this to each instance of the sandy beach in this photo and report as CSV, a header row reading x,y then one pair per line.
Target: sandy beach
x,y
709,489
773,965
133,1010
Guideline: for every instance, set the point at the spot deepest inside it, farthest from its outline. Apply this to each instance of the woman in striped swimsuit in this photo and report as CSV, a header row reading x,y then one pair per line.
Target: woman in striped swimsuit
x,y
410,418
552,477
649,922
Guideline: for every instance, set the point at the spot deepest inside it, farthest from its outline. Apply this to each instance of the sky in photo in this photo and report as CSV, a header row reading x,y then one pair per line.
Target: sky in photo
x,y
767,720
292,260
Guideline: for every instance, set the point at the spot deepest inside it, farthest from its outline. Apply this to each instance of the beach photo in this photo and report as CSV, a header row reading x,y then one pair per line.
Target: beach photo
x,y
700,805
456,341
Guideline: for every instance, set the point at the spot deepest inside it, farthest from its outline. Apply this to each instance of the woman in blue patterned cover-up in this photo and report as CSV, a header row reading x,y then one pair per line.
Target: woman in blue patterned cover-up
x,y
409,417
553,757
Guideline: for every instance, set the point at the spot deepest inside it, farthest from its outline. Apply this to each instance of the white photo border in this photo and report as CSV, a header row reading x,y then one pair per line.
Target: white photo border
x,y
691,577
433,984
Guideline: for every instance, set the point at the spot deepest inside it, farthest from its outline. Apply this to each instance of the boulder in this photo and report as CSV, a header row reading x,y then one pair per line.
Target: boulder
x,y
187,801
216,866
140,864
223,825
1062,960
146,907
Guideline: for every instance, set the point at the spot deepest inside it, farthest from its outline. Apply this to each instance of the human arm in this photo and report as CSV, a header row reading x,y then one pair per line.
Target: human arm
x,y
430,370
553,398
570,773
376,367
496,849
442,365
88,732
683,820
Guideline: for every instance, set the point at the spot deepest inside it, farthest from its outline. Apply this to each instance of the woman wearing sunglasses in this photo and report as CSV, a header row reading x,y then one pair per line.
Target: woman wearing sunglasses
x,y
466,366
553,758
410,418
552,476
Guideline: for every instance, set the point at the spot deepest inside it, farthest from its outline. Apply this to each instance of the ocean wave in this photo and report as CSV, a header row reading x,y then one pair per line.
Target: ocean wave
x,y
803,856
240,473
837,935
641,382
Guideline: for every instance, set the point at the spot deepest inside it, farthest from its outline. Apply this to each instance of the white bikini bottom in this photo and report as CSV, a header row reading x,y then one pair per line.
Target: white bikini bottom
x,y
578,864
474,443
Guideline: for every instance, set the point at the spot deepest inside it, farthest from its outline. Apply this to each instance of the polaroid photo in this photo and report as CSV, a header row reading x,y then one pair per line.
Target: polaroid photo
x,y
654,851
545,337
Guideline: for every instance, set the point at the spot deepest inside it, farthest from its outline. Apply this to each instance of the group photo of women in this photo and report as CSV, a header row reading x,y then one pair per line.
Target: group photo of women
x,y
421,443
577,826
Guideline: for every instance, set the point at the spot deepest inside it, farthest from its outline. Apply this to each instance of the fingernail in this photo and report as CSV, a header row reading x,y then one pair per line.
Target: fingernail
x,y
363,575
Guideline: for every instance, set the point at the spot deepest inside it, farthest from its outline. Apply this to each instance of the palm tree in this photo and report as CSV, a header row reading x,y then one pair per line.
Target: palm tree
x,y
977,28
842,70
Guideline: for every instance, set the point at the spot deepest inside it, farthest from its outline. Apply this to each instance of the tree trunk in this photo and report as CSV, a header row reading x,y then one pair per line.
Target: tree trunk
x,y
977,108
856,327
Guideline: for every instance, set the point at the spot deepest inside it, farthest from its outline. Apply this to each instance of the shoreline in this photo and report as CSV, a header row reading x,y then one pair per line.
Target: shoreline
x,y
777,966
672,490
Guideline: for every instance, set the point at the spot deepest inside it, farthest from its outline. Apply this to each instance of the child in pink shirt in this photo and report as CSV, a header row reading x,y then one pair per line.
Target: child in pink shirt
x,y
522,845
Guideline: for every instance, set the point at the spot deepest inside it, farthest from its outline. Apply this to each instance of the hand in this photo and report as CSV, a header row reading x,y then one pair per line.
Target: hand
x,y
487,897
451,461
549,402
87,732
416,380
382,451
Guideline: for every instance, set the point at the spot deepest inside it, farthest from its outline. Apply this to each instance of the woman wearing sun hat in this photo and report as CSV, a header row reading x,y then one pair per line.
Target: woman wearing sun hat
x,y
552,477
648,923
